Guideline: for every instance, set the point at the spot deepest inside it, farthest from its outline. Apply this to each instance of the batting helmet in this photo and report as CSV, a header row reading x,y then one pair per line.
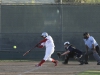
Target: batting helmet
x,y
66,43
44,34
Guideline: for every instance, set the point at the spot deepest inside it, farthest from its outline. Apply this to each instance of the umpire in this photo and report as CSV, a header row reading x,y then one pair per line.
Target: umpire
x,y
91,47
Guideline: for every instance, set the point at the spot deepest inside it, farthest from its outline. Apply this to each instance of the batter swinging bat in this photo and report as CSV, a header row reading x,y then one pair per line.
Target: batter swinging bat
x,y
30,50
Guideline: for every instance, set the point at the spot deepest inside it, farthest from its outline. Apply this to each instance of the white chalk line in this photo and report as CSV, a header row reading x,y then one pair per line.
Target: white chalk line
x,y
32,70
36,68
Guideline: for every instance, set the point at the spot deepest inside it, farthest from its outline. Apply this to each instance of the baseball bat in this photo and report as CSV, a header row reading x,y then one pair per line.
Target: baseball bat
x,y
30,50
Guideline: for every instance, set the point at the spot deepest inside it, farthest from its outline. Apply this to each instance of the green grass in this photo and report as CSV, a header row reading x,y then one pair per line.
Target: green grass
x,y
90,73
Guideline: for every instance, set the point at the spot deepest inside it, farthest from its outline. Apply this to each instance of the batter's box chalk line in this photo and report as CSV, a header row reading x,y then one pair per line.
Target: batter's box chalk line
x,y
36,68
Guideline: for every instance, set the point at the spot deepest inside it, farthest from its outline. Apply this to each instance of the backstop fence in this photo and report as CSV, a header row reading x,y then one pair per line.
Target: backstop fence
x,y
22,25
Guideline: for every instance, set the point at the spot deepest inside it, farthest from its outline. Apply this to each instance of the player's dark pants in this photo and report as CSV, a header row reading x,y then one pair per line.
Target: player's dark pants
x,y
90,52
70,55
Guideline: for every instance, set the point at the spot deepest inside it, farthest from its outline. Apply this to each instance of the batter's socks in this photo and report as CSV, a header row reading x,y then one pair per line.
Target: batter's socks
x,y
41,62
54,61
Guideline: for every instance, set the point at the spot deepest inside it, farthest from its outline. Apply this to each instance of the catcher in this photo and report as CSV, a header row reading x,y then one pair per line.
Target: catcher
x,y
71,52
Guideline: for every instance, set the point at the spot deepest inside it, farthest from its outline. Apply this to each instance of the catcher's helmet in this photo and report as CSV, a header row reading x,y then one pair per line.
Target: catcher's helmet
x,y
66,43
44,34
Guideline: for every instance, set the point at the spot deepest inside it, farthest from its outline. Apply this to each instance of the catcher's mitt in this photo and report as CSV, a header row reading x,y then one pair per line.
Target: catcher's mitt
x,y
58,54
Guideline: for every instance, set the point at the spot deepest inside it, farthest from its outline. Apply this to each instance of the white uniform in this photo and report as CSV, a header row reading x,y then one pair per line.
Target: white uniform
x,y
49,44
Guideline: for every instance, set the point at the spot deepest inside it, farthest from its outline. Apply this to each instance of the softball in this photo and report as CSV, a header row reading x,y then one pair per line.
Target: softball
x,y
14,47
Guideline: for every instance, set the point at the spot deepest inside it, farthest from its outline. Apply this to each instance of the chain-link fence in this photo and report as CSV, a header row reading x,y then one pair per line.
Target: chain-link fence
x,y
22,25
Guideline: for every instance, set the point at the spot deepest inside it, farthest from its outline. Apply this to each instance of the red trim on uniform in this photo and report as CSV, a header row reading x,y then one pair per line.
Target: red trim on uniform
x,y
42,61
44,40
54,61
41,46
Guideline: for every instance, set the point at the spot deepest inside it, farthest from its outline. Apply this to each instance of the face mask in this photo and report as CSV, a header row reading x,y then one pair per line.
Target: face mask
x,y
85,37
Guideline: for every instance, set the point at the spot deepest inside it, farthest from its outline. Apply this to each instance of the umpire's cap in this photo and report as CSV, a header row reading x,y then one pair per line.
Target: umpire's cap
x,y
66,43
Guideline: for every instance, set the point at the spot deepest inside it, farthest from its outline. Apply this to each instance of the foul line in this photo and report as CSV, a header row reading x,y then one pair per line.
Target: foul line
x,y
36,68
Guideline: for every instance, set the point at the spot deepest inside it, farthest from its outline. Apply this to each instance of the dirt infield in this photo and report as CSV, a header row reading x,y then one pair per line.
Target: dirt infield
x,y
48,68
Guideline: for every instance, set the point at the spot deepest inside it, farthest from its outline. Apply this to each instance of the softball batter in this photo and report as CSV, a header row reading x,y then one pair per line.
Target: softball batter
x,y
49,44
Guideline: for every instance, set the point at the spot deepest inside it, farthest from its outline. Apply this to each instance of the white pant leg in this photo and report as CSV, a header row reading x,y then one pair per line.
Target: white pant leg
x,y
49,51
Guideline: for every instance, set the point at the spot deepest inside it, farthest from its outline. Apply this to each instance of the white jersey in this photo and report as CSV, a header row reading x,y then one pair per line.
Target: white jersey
x,y
49,42
90,41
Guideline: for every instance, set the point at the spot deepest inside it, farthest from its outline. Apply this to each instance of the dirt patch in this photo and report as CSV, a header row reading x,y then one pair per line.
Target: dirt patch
x,y
48,68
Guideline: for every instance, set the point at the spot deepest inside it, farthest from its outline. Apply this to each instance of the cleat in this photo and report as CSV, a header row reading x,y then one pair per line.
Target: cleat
x,y
85,62
98,63
37,66
81,62
64,63
56,63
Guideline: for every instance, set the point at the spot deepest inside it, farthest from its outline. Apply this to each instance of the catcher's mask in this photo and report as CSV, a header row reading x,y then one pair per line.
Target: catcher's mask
x,y
86,35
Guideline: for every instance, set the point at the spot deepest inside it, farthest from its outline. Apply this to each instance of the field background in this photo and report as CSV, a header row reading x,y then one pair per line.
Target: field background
x,y
22,24
28,68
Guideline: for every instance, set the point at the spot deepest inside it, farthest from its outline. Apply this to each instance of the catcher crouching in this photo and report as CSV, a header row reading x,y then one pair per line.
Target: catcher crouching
x,y
71,52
